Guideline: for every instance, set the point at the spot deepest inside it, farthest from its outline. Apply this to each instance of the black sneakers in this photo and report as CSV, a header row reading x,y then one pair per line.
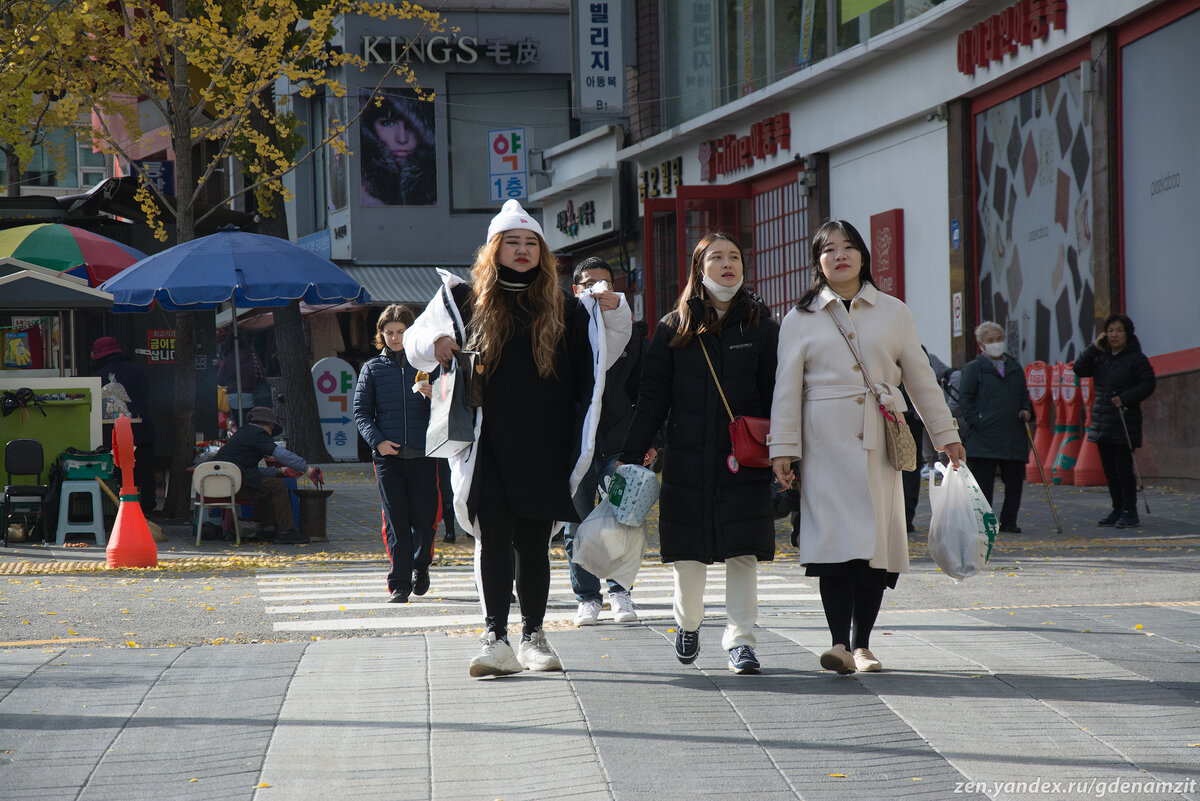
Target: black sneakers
x,y
420,581
1128,520
398,597
687,646
742,660
1110,519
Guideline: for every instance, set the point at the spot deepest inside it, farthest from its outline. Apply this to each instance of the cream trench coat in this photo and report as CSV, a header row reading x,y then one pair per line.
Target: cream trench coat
x,y
852,499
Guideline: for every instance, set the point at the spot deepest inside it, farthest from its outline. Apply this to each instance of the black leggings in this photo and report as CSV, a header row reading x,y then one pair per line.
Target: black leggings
x,y
500,534
1117,461
846,601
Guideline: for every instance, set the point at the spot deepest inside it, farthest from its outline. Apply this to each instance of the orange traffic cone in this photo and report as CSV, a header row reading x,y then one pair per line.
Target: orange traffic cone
x,y
1068,449
131,543
1037,379
1088,470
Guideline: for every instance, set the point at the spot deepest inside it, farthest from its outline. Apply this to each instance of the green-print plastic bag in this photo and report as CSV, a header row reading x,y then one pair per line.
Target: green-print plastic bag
x,y
962,531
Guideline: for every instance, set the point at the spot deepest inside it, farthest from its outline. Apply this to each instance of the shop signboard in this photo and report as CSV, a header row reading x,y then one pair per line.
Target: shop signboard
x,y
887,251
334,380
160,344
600,64
508,173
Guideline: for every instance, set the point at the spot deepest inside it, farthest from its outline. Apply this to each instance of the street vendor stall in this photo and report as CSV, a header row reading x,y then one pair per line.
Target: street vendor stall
x,y
65,410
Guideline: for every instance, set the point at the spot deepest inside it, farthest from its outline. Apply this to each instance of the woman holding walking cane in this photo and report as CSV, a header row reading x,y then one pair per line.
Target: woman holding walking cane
x,y
1123,378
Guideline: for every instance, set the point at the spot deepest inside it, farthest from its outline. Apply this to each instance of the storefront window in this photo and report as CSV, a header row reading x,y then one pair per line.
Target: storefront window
x,y
798,35
477,104
859,20
745,48
687,60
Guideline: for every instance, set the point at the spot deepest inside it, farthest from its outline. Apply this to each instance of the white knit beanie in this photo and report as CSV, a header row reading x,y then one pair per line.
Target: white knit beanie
x,y
513,216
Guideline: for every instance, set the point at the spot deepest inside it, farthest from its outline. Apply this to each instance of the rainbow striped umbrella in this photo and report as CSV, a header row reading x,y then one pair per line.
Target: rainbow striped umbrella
x,y
68,249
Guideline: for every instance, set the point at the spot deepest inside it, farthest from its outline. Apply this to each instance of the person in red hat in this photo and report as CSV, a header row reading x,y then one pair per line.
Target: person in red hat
x,y
111,365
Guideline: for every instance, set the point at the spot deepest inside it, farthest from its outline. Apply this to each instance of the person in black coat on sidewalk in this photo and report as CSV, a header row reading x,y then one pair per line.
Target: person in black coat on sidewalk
x,y
539,373
391,410
710,509
1123,378
995,403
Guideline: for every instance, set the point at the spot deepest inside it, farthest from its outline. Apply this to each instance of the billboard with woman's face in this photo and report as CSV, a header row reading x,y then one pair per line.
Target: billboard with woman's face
x,y
398,160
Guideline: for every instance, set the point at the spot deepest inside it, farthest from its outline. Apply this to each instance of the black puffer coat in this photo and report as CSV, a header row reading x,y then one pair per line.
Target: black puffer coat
x,y
706,513
1127,374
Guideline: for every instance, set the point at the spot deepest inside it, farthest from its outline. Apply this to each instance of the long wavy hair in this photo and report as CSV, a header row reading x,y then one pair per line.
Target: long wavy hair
x,y
491,324
688,325
819,240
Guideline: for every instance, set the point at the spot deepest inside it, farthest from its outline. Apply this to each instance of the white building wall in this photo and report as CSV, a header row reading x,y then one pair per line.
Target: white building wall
x,y
905,168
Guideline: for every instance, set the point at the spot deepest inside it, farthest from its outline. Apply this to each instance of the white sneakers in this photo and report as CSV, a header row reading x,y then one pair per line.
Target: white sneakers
x,y
536,654
622,604
588,614
496,658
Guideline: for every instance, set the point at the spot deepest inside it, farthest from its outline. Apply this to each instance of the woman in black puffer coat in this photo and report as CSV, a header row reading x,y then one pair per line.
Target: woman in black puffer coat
x,y
1123,378
708,510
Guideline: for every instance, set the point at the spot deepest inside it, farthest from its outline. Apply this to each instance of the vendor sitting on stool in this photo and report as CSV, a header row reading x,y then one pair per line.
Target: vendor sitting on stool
x,y
246,449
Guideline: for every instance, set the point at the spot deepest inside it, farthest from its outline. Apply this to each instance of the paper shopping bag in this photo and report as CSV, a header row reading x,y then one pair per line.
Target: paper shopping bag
x,y
451,420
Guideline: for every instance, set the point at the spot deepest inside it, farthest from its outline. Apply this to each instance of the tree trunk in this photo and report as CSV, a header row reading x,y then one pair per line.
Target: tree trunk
x,y
303,420
12,167
304,424
183,419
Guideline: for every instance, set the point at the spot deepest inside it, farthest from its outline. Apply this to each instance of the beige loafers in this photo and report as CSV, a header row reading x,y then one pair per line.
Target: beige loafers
x,y
866,662
839,659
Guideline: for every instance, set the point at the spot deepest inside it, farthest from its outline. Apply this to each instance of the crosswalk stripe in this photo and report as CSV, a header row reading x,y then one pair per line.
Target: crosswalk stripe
x,y
355,599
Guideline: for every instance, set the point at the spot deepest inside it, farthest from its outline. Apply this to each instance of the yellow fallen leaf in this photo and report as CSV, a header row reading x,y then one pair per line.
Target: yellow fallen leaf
x,y
837,775
341,609
1138,626
73,632
263,784
915,779
132,644
193,780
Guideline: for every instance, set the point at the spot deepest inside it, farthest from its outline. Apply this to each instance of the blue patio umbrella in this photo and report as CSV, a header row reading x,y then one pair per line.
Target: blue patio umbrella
x,y
248,270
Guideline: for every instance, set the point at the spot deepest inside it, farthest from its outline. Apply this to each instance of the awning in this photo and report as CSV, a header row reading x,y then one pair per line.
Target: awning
x,y
27,289
391,283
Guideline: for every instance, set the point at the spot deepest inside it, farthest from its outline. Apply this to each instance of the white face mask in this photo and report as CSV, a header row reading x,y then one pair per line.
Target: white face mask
x,y
994,350
722,293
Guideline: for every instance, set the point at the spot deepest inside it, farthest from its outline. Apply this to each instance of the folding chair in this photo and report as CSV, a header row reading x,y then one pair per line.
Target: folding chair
x,y
214,484
24,457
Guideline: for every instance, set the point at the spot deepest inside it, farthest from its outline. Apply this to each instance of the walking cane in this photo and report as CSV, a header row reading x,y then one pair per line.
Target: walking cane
x,y
1045,485
1136,473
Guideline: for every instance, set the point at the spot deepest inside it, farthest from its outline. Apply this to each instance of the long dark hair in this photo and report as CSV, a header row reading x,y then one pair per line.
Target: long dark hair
x,y
687,325
818,241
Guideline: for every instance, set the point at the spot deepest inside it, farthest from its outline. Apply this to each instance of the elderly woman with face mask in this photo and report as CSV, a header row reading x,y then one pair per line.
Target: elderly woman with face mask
x,y
995,403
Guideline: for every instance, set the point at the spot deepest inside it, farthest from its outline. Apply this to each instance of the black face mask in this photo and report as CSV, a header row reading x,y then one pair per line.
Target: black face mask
x,y
513,279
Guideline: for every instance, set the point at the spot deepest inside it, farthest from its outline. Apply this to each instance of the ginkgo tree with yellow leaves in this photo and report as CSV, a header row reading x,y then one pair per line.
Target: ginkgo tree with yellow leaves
x,y
34,82
205,73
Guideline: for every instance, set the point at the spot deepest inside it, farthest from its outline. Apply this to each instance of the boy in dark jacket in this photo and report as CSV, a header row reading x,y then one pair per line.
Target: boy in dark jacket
x,y
252,443
391,410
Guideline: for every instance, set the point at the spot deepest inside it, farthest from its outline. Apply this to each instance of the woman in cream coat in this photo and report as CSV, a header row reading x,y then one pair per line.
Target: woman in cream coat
x,y
824,416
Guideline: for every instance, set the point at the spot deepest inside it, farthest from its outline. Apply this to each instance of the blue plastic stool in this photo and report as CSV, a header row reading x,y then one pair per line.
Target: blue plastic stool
x,y
95,526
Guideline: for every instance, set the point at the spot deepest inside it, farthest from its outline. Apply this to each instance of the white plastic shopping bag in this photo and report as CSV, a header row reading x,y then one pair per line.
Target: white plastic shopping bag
x,y
963,528
607,548
632,490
